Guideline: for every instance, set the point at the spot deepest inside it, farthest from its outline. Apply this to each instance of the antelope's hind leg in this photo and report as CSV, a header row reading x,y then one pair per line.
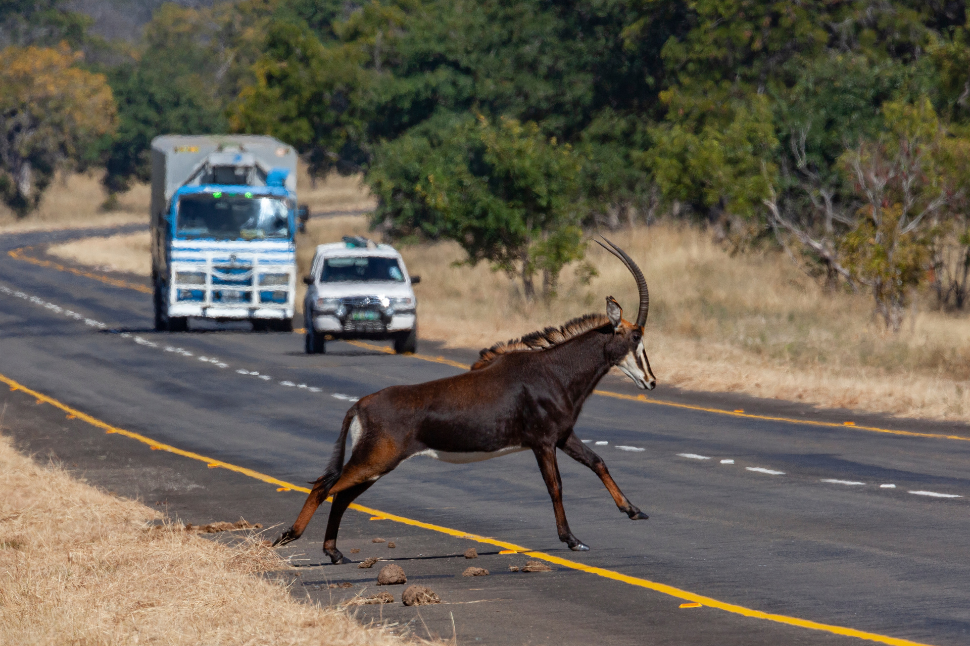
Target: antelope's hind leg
x,y
340,503
574,448
546,457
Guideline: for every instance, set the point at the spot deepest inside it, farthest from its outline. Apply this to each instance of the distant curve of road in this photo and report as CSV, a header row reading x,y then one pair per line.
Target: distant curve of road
x,y
805,526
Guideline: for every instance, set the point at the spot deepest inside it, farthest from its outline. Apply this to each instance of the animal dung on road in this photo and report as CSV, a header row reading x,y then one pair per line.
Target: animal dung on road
x,y
475,571
391,545
355,550
368,562
536,566
222,526
391,575
382,597
418,595
378,540
471,553
513,568
345,584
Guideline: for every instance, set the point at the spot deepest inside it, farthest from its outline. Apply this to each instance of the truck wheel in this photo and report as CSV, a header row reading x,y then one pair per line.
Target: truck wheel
x,y
161,318
407,342
313,342
286,325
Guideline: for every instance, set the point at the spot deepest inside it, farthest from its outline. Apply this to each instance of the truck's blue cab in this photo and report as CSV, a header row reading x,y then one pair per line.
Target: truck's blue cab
x,y
223,226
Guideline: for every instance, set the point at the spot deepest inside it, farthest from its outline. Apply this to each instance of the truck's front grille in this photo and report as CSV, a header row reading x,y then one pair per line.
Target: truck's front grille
x,y
224,282
235,276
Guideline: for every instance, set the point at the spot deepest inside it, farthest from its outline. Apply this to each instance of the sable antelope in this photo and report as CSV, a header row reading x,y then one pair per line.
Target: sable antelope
x,y
520,395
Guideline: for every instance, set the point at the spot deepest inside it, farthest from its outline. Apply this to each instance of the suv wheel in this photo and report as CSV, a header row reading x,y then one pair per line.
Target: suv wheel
x,y
406,342
313,341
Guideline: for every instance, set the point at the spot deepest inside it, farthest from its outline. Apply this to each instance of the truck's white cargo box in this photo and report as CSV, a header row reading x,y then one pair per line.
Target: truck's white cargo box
x,y
181,160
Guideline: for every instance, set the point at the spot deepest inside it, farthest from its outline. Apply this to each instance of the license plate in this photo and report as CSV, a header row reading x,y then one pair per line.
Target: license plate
x,y
364,315
232,297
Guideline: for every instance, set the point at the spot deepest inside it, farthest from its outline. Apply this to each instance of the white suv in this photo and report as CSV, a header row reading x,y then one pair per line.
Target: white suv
x,y
360,290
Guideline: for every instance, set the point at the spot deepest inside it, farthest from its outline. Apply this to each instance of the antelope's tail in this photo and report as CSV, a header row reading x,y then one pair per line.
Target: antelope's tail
x,y
336,464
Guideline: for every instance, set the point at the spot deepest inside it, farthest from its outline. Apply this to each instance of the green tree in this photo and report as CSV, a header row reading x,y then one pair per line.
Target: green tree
x,y
308,95
42,23
171,89
719,152
905,187
506,193
50,112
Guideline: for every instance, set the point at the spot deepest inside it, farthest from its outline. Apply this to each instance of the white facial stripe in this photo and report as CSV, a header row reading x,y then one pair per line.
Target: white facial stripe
x,y
634,366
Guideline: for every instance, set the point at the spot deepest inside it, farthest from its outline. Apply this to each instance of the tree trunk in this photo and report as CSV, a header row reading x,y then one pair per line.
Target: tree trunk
x,y
550,282
528,287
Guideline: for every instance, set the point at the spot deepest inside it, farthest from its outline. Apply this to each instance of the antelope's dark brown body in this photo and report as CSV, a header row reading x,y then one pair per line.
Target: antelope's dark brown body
x,y
522,395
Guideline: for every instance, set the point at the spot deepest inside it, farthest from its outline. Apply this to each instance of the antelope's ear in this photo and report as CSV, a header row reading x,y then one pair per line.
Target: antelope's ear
x,y
614,311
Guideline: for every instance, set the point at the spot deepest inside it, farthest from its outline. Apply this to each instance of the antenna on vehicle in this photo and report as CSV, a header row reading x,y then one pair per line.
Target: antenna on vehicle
x,y
359,241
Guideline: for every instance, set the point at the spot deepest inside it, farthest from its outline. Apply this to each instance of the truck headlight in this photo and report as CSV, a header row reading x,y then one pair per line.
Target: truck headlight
x,y
274,279
403,304
190,278
327,305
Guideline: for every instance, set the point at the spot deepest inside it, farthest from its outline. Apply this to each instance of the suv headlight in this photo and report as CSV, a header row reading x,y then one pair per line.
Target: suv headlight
x,y
190,278
274,279
403,304
327,305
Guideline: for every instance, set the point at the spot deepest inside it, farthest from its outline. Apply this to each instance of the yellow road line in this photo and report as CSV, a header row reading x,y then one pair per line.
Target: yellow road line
x,y
16,253
662,588
422,357
20,254
875,429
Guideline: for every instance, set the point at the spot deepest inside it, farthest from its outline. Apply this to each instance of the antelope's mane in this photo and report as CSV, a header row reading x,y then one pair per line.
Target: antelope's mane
x,y
542,339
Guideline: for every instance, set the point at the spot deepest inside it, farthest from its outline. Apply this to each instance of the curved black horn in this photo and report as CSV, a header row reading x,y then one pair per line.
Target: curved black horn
x,y
637,274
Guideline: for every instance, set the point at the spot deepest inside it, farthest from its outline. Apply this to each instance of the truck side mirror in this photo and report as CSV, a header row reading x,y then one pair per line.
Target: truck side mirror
x,y
308,280
415,280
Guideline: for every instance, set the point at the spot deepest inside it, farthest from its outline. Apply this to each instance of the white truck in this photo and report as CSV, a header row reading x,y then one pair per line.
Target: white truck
x,y
223,224
357,289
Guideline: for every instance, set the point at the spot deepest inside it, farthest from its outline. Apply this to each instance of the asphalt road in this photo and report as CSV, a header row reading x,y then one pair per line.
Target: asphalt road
x,y
852,529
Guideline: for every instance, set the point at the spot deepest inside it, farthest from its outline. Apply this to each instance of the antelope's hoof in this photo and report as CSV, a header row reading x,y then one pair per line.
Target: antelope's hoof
x,y
638,515
579,547
285,537
336,557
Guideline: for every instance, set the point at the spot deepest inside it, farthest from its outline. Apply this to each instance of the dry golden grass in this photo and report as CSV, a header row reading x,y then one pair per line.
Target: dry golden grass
x,y
335,193
131,253
74,201
750,323
78,566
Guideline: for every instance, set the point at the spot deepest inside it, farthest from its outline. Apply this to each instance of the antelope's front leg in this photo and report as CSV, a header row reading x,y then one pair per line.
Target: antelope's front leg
x,y
546,457
574,448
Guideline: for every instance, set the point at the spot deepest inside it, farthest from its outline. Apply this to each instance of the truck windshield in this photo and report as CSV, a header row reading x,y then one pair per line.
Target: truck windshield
x,y
232,217
368,268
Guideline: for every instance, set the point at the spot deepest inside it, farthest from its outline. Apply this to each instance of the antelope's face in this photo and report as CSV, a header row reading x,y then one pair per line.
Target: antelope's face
x,y
630,355
635,364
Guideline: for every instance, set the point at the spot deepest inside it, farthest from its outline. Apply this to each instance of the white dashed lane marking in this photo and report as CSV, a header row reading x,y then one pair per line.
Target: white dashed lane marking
x,y
934,494
770,472
633,449
142,341
693,456
850,483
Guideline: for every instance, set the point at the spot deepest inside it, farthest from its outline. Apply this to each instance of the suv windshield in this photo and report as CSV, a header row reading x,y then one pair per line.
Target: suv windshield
x,y
232,216
340,270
